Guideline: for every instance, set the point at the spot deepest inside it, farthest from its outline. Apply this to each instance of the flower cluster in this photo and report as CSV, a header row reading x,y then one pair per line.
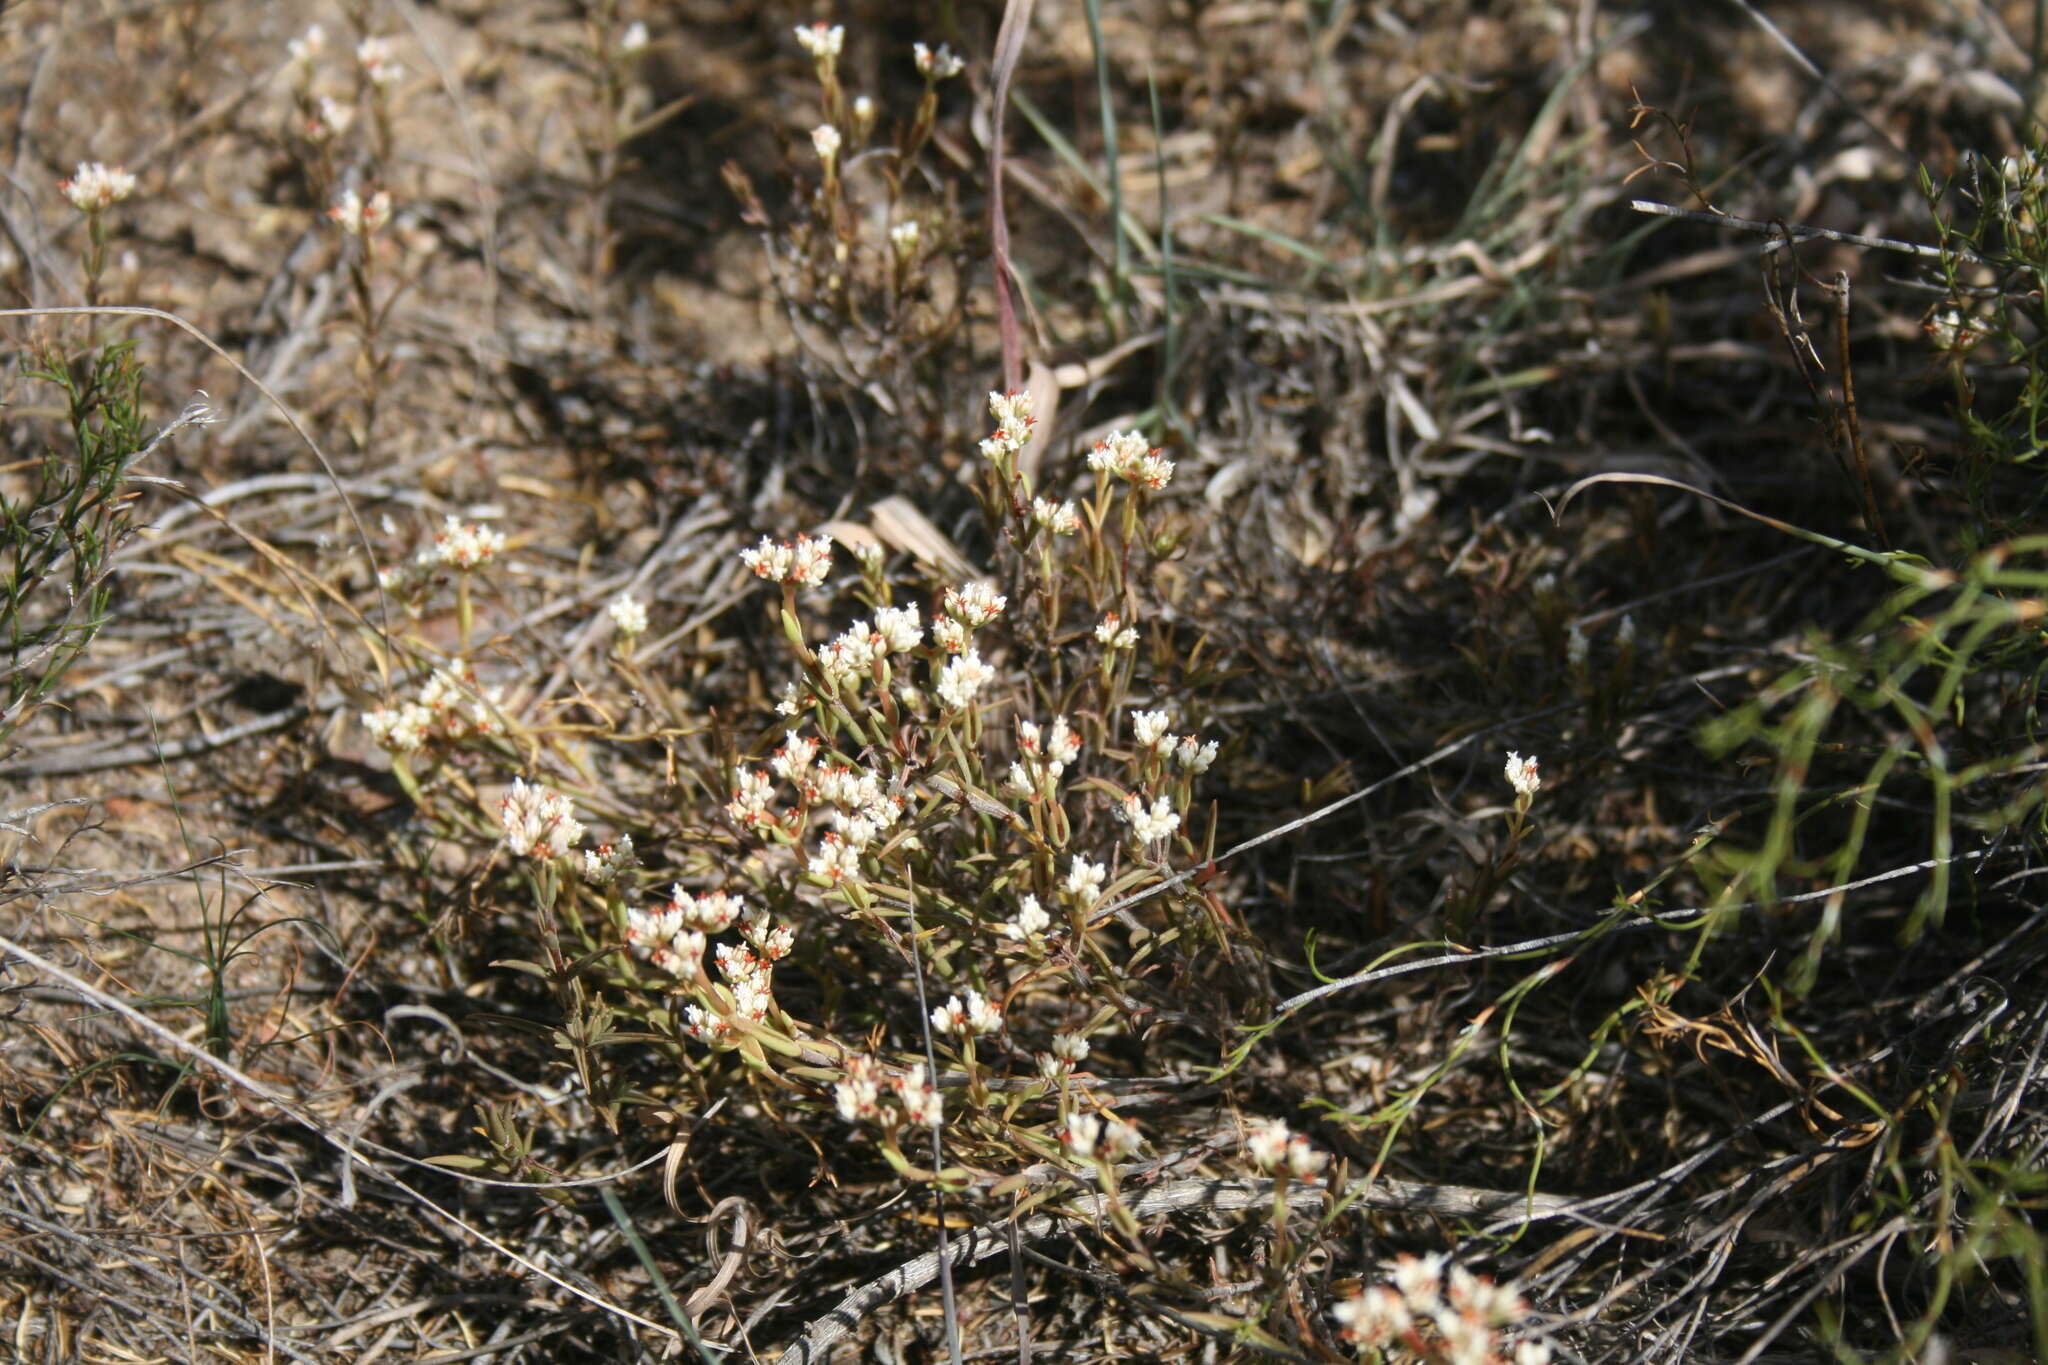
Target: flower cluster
x,y
94,187
1114,634
465,546
804,564
1089,1137
538,821
748,989
1126,455
609,861
938,65
1148,825
450,707
1058,517
1270,1146
373,55
360,217
1455,1316
1014,422
1522,775
864,1088
629,615
1042,756
1029,921
974,1015
822,40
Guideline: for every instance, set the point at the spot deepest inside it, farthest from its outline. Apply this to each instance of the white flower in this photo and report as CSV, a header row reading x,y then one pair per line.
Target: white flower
x,y
1085,879
466,546
920,1100
1125,455
821,40
859,1096
1191,753
1113,633
360,217
899,628
401,729
538,820
1266,1145
1148,727
836,861
806,563
825,142
790,702
94,186
903,237
1374,1317
1069,1048
974,1015
949,635
1575,647
1030,920
1625,633
603,865
962,677
633,40
752,790
936,66
976,604
304,48
793,757
629,614
1522,775
1014,419
1120,1138
329,119
1079,1136
710,913
373,55
771,940
1532,1353
1148,826
1420,1279
1303,1160
1059,518
852,655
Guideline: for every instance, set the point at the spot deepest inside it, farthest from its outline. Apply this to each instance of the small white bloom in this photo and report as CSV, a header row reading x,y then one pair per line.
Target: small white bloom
x,y
1085,879
903,237
94,186
919,1098
962,677
1148,727
752,791
976,604
821,40
303,49
899,628
1575,647
373,55
1303,1160
538,820
1127,456
1079,1136
1029,921
360,217
1120,1138
603,865
1522,775
1266,1144
836,861
795,755
949,634
1191,753
859,1095
629,614
806,563
401,729
1148,826
936,66
1114,634
633,40
1532,1353
1069,1048
825,142
1059,518
1420,1280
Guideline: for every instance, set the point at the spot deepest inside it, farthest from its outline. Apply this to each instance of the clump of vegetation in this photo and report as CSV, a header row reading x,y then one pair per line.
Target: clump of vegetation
x,y
1431,775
